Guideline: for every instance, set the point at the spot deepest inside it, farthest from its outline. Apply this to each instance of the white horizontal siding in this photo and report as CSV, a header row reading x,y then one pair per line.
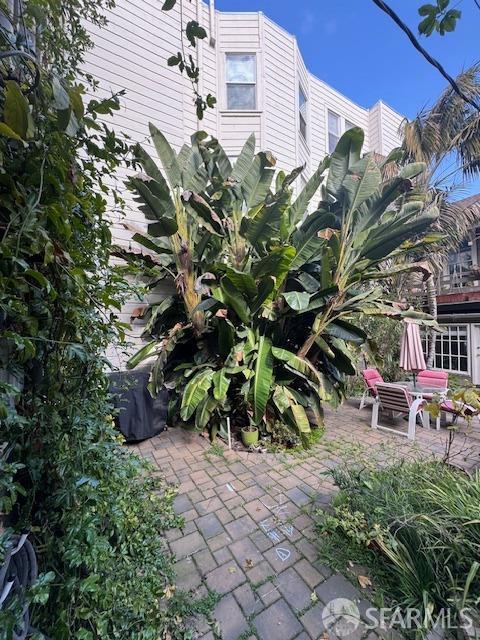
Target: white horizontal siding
x,y
131,53
375,128
238,31
280,94
318,143
390,127
235,129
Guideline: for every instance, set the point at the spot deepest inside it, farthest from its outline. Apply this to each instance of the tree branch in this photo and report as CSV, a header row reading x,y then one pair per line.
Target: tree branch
x,y
411,36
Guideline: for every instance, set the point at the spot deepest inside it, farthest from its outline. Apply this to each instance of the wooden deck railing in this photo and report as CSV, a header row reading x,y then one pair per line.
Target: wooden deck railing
x,y
461,278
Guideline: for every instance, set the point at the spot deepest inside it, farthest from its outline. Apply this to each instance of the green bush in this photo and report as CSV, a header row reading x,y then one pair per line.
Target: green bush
x,y
97,520
264,322
417,525
383,352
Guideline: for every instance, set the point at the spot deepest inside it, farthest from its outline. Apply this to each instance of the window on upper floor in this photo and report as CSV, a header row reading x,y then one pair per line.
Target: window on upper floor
x,y
240,76
334,131
302,112
349,125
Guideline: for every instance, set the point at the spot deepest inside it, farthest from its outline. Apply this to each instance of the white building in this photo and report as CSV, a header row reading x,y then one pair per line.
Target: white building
x,y
252,66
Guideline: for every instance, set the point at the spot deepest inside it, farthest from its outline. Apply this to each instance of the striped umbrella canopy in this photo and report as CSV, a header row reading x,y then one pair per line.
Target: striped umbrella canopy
x,y
411,352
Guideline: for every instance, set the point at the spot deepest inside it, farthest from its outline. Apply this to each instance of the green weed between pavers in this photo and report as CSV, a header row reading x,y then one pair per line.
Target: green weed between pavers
x,y
183,606
416,526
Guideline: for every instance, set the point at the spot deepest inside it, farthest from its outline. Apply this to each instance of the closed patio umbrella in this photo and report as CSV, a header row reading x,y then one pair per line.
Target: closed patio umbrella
x,y
411,352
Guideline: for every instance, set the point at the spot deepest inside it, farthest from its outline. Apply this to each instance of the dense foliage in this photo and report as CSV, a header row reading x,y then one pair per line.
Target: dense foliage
x,y
265,319
97,523
416,524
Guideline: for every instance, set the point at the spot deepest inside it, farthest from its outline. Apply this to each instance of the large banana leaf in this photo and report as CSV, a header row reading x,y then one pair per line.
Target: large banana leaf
x,y
195,392
155,204
231,296
244,282
147,351
221,382
167,156
388,236
297,300
256,184
301,365
204,411
300,205
308,247
263,378
151,169
263,226
276,264
346,154
361,182
244,160
208,217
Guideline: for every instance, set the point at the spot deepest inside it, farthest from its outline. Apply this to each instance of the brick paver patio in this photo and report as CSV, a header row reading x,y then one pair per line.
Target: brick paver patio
x,y
249,533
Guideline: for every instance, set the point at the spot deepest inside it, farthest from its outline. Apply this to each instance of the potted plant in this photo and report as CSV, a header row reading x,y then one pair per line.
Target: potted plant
x,y
249,435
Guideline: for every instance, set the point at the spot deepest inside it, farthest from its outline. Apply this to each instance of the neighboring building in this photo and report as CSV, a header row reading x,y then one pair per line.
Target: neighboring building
x,y
252,66
458,286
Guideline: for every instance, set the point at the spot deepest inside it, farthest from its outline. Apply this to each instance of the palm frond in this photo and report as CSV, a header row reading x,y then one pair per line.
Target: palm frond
x,y
450,126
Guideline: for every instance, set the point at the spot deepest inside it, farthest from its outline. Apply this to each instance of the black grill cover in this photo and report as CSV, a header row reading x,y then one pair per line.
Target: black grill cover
x,y
140,416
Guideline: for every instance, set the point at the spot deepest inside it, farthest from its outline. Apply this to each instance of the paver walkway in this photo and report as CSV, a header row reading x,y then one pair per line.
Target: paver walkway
x,y
249,533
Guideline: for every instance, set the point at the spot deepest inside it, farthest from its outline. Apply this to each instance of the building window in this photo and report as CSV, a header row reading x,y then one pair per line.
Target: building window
x,y
333,131
241,81
349,125
451,348
302,112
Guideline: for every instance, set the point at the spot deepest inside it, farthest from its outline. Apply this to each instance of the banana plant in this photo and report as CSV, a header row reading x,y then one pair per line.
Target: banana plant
x,y
263,326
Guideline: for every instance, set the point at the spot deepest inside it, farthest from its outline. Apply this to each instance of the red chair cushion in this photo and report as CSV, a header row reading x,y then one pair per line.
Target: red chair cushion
x,y
371,377
449,407
433,378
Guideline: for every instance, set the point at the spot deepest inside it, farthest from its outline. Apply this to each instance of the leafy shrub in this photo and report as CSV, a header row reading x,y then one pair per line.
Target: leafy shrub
x,y
265,320
382,352
417,525
95,518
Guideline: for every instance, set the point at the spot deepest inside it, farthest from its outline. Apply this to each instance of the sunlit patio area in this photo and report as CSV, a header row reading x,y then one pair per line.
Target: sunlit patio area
x,y
249,534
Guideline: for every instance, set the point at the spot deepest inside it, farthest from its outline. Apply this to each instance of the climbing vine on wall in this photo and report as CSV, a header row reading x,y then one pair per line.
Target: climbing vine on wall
x,y
95,521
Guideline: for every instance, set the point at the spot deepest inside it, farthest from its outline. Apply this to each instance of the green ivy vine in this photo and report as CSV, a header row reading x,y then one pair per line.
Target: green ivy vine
x,y
96,517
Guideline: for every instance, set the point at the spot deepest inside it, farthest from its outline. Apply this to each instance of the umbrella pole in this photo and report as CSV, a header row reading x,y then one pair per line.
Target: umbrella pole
x,y
414,380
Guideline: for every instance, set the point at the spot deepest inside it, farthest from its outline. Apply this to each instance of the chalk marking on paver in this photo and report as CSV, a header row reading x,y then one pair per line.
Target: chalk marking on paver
x,y
275,588
283,553
273,535
265,525
271,532
275,508
287,529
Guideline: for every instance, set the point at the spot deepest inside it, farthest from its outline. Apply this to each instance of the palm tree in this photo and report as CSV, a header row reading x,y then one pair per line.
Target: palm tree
x,y
446,137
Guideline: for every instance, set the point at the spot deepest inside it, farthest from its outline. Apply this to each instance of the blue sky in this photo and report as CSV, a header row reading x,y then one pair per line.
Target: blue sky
x,y
357,49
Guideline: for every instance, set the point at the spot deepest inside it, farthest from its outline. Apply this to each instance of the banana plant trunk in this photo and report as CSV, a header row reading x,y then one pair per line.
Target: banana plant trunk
x,y
431,290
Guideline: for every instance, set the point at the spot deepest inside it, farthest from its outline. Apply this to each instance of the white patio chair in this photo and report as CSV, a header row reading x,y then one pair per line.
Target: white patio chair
x,y
394,398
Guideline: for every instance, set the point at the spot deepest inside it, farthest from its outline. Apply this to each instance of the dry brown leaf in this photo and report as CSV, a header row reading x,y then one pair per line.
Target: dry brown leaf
x,y
248,564
169,591
364,582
